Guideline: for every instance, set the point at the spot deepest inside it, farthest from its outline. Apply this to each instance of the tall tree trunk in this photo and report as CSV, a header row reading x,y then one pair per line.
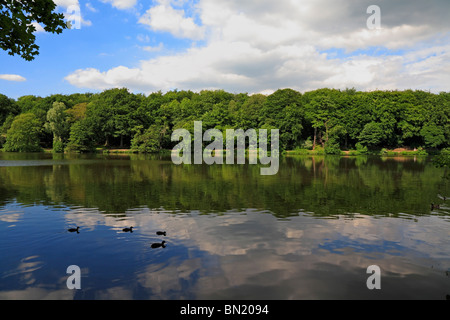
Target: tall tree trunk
x,y
315,137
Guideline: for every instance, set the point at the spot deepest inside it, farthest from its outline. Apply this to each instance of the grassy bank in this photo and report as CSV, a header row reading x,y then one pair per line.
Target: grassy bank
x,y
317,151
383,152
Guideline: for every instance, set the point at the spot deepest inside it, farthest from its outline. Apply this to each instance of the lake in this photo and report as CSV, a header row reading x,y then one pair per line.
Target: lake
x,y
309,232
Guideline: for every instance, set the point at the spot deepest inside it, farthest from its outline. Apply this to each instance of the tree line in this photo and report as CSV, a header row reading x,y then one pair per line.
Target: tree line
x,y
323,186
331,119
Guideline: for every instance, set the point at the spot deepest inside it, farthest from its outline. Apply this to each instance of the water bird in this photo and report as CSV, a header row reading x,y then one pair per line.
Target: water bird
x,y
158,245
74,230
130,229
435,206
161,233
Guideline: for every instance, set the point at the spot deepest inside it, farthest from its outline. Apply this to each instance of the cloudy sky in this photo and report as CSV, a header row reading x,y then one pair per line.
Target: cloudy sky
x,y
238,45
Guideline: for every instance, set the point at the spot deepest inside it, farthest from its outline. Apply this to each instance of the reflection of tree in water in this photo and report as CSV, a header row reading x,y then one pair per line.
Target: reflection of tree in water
x,y
322,186
6,194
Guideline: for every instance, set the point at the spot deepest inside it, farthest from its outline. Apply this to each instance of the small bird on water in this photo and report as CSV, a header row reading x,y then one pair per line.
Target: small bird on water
x,y
74,230
158,245
161,233
435,206
130,229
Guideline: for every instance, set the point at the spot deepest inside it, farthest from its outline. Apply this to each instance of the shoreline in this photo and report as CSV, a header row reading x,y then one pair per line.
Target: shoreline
x,y
299,152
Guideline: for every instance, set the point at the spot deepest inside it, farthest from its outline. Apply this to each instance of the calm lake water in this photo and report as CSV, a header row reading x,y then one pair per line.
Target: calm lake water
x,y
309,232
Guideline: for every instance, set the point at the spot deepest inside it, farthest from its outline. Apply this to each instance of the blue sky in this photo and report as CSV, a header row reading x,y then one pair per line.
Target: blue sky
x,y
239,46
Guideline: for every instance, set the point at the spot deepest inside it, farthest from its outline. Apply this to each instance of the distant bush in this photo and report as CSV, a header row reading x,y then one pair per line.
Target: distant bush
x,y
58,146
360,149
319,150
333,149
421,151
307,144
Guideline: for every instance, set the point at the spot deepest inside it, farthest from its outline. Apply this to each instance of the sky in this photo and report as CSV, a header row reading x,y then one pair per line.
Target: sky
x,y
241,46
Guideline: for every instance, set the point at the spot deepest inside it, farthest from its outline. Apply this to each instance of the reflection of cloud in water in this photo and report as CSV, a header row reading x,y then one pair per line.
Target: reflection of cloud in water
x,y
26,268
36,293
115,293
10,214
256,256
25,273
10,217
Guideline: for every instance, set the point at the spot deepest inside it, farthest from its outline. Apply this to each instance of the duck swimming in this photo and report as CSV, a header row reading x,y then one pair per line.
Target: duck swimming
x,y
130,229
161,233
158,245
74,230
435,206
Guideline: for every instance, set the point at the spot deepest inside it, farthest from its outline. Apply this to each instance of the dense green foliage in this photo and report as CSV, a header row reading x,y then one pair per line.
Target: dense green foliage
x,y
324,119
16,21
443,161
23,136
57,123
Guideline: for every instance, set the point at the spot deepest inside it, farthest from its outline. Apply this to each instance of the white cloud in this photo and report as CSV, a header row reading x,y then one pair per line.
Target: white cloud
x,y
121,4
38,27
265,45
66,3
164,17
90,7
143,38
12,77
154,49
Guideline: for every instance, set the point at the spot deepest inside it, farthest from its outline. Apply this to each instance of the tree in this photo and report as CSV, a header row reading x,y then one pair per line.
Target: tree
x,y
112,111
17,18
433,135
77,112
321,113
372,135
81,137
23,136
57,123
5,127
148,141
355,107
7,106
283,110
333,146
247,115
